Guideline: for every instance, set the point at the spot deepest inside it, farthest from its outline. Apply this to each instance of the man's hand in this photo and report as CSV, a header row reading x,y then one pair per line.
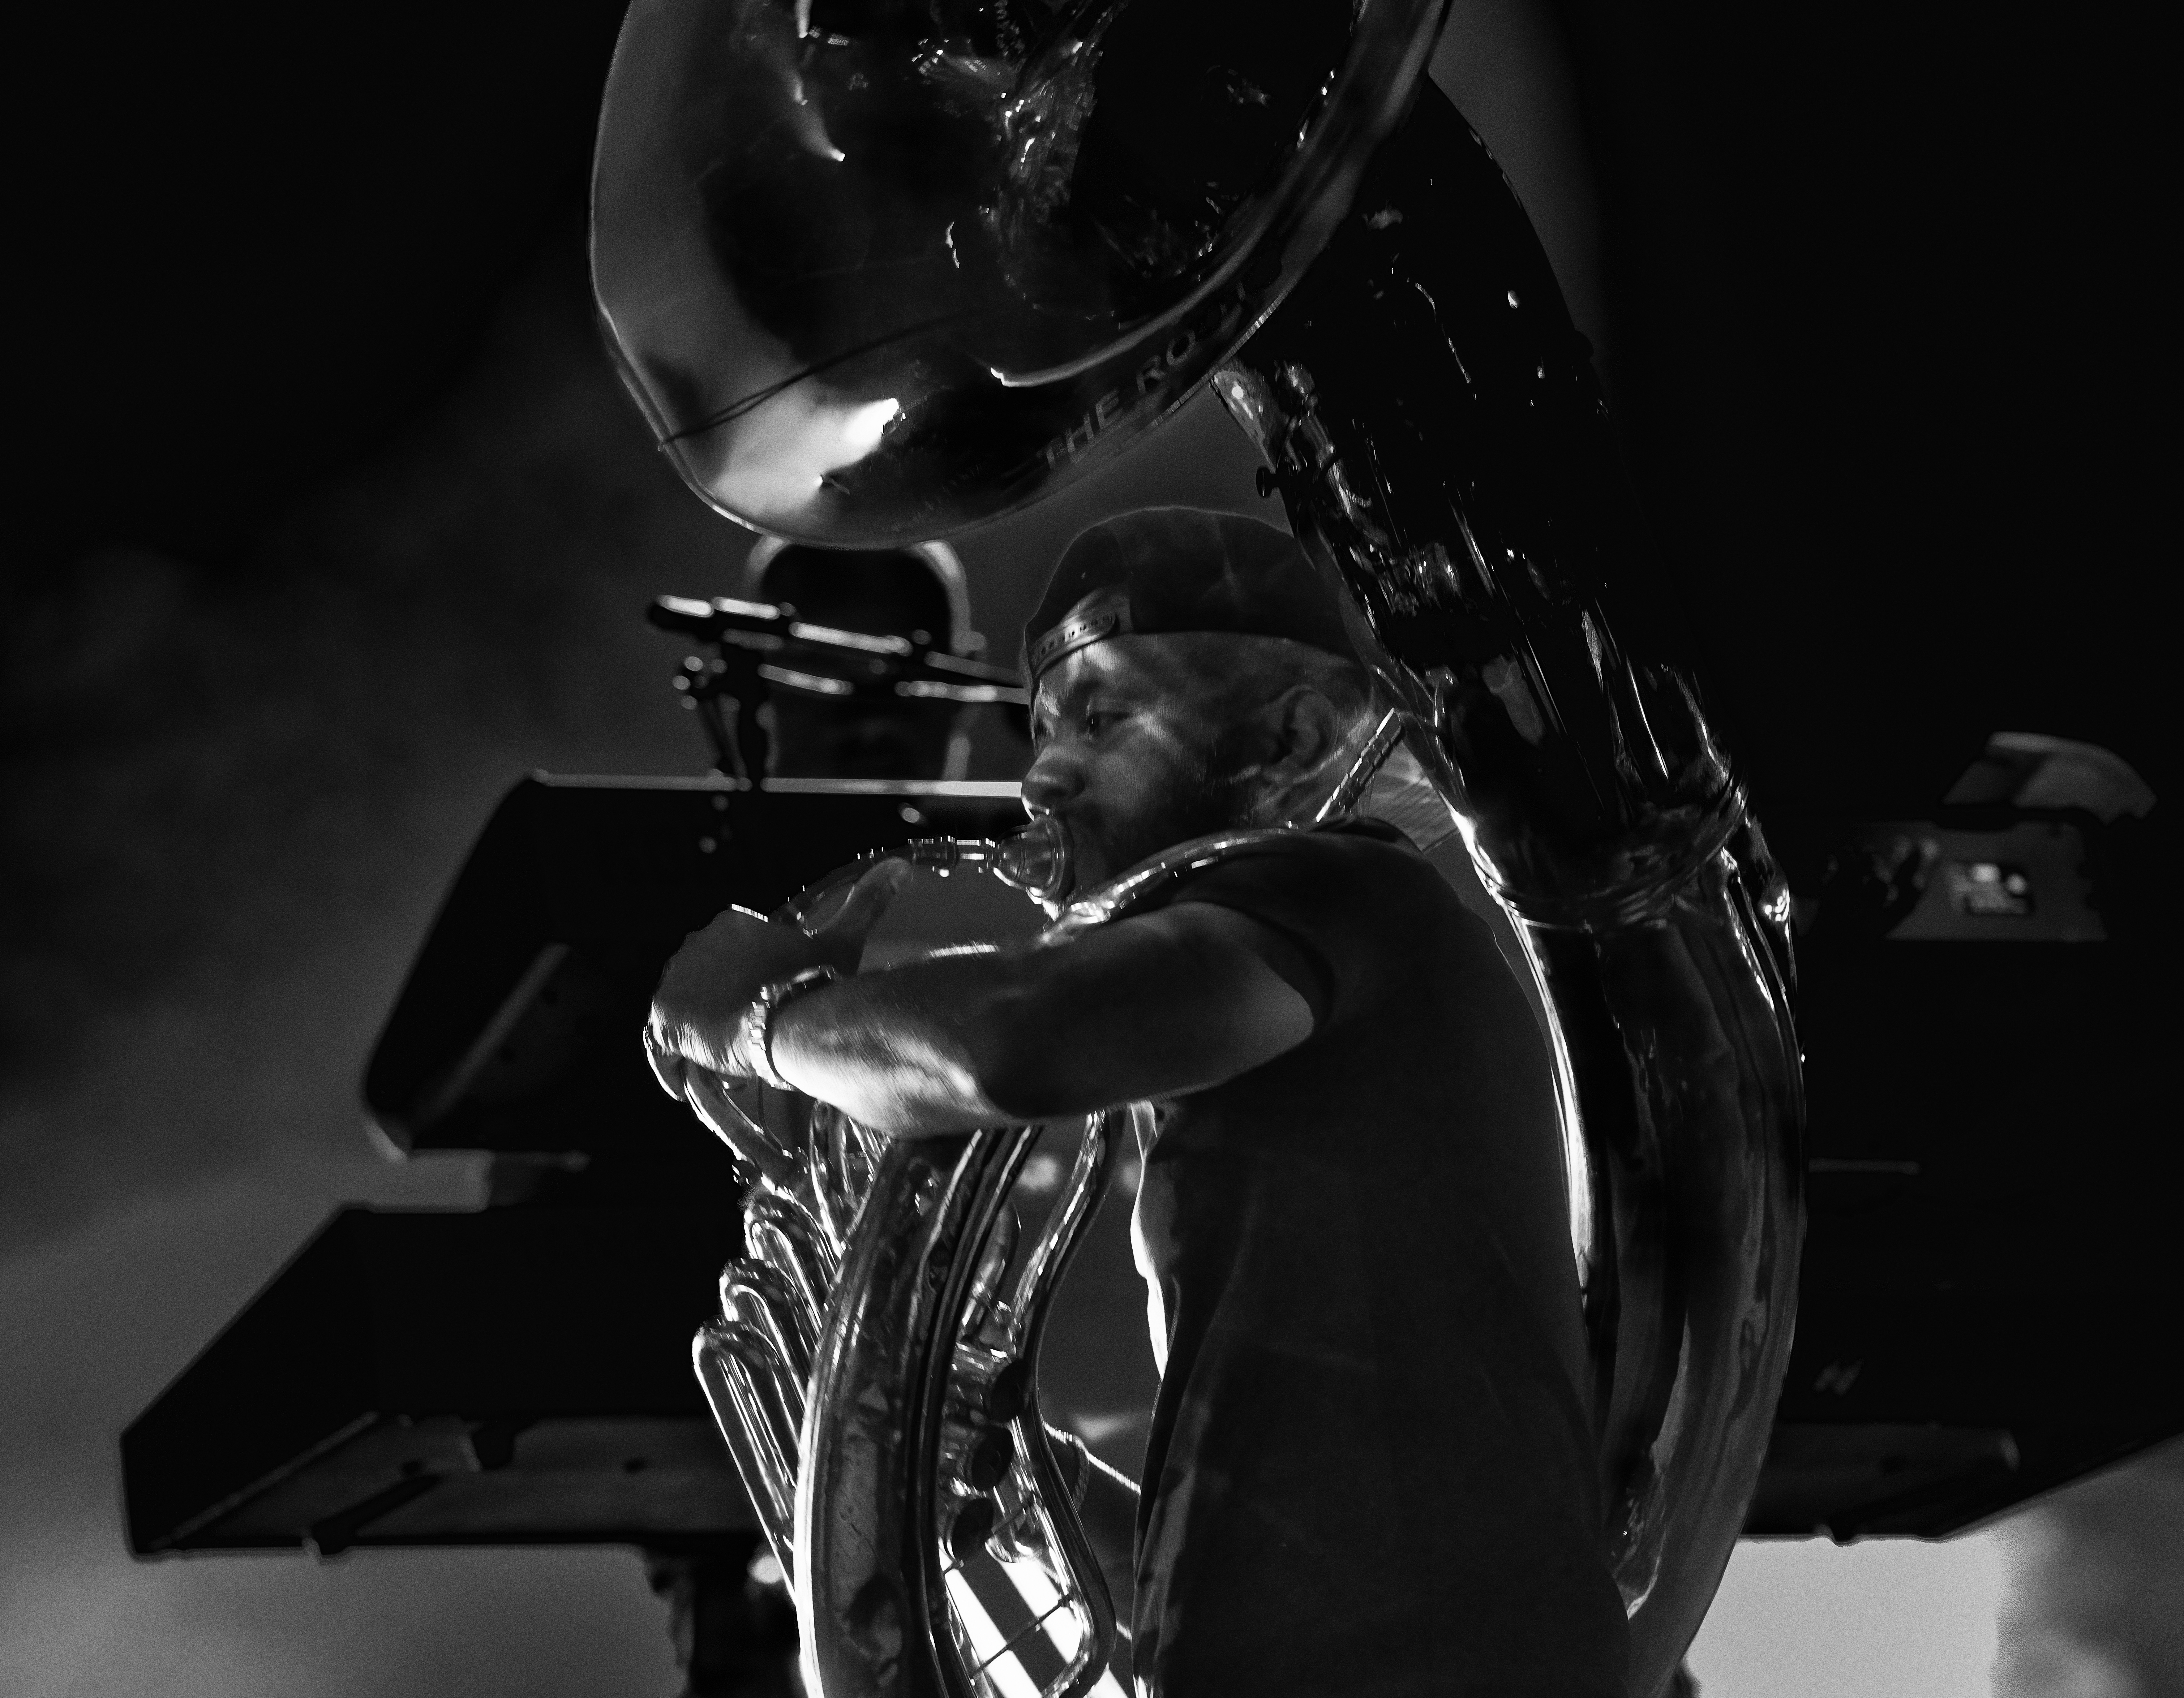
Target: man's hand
x,y
689,1037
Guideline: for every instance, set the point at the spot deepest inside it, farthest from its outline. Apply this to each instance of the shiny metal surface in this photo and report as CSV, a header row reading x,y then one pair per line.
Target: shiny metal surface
x,y
1433,421
1036,860
878,275
872,1368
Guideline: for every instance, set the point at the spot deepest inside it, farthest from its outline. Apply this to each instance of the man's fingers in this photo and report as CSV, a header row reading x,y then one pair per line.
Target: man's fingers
x,y
843,936
709,1099
868,899
666,1065
713,1103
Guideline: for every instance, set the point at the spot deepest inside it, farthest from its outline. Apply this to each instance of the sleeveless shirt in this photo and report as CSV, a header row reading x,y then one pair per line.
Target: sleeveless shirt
x,y
1371,1468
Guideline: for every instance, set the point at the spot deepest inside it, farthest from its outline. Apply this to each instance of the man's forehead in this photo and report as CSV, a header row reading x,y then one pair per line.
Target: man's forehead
x,y
1124,662
1072,673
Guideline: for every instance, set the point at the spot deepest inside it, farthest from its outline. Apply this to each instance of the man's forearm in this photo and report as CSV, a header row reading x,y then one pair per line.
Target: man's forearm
x,y
1147,1007
911,1050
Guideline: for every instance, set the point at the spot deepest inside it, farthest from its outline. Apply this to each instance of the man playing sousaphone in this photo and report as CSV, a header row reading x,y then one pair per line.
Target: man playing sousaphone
x,y
1372,1466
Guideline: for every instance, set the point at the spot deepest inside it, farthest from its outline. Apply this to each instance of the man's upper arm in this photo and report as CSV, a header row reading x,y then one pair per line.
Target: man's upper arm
x,y
1155,1006
1303,967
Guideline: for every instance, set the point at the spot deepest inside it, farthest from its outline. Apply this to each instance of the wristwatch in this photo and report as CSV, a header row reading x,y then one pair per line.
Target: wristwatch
x,y
755,1030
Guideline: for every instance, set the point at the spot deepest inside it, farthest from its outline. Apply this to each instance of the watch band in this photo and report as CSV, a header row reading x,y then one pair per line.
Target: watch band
x,y
756,1035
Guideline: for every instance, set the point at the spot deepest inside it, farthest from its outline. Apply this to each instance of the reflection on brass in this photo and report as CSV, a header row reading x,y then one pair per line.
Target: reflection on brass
x,y
872,1368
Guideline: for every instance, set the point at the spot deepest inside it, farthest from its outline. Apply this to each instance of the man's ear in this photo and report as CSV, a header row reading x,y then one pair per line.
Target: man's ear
x,y
1285,744
1305,729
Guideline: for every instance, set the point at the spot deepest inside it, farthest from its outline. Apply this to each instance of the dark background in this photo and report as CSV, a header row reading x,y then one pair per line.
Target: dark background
x,y
1882,300
328,519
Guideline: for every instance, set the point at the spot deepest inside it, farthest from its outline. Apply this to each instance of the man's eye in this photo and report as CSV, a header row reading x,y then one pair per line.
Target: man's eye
x,y
1100,719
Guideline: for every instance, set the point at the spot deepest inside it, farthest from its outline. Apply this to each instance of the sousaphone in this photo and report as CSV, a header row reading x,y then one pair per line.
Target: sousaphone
x,y
877,272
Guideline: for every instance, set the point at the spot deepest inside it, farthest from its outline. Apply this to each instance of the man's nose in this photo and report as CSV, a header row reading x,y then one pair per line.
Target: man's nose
x,y
1049,783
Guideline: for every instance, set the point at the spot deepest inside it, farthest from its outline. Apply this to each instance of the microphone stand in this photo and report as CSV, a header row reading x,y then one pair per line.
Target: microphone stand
x,y
758,646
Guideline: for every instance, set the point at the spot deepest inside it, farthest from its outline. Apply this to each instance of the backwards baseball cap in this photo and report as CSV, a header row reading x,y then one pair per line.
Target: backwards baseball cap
x,y
1166,570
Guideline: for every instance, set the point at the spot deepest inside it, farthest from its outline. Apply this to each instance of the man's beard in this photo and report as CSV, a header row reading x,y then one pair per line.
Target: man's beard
x,y
1196,803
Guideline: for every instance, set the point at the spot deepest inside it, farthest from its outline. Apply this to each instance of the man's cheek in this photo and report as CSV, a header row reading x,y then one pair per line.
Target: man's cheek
x,y
1128,780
